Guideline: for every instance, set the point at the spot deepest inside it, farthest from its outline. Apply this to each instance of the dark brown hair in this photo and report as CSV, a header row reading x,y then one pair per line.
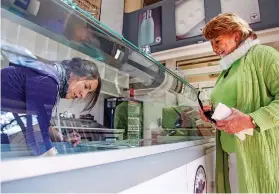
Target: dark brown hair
x,y
85,68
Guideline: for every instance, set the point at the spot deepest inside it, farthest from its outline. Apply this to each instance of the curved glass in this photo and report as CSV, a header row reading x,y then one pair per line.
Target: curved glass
x,y
141,103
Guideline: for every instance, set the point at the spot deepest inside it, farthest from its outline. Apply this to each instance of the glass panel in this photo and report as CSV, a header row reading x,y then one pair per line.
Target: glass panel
x,y
50,54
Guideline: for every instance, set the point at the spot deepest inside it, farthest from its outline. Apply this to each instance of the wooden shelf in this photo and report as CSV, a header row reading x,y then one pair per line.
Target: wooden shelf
x,y
132,5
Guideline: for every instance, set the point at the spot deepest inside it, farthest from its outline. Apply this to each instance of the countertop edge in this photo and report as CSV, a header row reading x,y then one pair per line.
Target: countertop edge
x,y
30,167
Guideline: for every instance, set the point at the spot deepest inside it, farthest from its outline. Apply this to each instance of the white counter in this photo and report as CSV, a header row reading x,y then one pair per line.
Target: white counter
x,y
29,167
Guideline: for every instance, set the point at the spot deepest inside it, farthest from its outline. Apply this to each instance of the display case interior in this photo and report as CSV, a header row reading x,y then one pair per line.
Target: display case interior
x,y
141,103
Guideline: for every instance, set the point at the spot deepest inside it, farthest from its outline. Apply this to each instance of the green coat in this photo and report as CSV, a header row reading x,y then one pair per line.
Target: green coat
x,y
258,96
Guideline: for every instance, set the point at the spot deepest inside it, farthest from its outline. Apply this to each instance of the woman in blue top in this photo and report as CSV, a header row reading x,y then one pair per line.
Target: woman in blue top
x,y
31,87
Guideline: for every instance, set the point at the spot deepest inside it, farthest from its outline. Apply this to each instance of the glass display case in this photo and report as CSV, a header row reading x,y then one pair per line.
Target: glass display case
x,y
141,102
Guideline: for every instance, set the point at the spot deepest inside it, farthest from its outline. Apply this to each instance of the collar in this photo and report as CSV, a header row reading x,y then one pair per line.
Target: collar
x,y
227,61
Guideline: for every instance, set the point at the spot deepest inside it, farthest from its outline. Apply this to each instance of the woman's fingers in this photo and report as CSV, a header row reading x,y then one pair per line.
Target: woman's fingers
x,y
221,125
203,117
75,143
207,108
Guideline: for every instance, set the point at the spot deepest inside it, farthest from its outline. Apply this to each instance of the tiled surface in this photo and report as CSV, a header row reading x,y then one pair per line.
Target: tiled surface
x,y
10,31
52,50
64,52
41,45
26,38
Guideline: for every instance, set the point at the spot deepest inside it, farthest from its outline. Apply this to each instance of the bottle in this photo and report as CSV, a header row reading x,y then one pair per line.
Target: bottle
x,y
132,93
149,28
142,35
146,49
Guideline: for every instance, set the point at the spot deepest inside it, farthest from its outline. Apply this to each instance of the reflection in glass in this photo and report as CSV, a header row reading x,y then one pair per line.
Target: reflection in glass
x,y
32,87
71,85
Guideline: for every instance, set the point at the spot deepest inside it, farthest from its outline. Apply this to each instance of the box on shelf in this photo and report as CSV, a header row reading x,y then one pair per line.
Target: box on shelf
x,y
91,6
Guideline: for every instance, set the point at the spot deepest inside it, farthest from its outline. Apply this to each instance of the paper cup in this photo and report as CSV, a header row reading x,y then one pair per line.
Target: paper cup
x,y
221,112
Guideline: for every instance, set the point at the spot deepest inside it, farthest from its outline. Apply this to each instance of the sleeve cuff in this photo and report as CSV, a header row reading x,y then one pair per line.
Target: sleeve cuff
x,y
264,120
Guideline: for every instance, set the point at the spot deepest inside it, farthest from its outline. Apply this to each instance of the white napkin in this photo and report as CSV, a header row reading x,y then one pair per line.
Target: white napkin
x,y
222,111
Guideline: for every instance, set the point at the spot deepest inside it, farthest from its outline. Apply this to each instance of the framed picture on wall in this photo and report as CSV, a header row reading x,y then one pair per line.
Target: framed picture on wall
x,y
150,27
189,18
248,10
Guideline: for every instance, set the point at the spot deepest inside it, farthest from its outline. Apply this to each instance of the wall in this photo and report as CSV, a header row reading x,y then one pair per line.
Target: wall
x,y
268,10
133,5
112,14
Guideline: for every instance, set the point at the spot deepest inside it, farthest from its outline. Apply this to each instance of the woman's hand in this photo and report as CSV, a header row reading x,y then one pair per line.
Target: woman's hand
x,y
55,135
205,108
235,123
73,138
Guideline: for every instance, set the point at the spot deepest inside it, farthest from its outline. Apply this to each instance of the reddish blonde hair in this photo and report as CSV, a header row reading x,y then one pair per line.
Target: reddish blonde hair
x,y
227,23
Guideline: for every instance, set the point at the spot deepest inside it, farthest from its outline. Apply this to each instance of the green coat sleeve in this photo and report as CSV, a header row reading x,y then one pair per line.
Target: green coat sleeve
x,y
267,59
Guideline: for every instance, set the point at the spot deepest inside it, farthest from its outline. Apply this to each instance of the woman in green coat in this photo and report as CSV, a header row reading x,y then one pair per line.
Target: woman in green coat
x,y
249,85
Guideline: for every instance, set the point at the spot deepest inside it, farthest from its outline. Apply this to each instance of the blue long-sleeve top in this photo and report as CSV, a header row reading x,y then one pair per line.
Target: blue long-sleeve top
x,y
33,92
